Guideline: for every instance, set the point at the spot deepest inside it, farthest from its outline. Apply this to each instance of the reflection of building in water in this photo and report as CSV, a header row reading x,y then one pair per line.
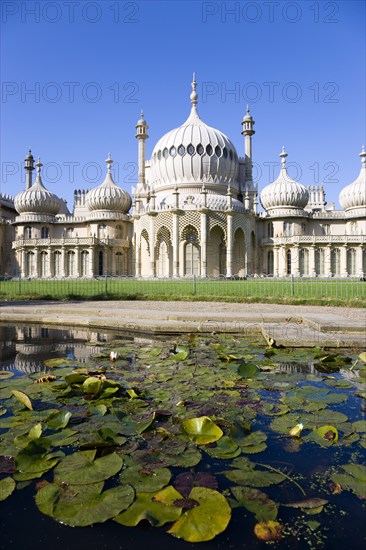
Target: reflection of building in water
x,y
25,348
296,368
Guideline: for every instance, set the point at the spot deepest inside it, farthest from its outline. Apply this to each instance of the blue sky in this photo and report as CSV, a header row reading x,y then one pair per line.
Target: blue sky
x,y
76,74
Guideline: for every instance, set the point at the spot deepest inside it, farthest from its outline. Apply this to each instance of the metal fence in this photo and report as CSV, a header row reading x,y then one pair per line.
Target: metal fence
x,y
185,288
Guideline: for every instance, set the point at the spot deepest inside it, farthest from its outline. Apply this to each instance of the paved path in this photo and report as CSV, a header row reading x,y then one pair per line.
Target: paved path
x,y
287,325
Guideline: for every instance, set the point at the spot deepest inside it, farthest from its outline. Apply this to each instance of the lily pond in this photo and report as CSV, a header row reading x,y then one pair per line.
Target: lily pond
x,y
123,441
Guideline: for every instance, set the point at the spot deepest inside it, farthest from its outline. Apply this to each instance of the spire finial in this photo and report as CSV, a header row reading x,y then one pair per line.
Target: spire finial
x,y
39,166
283,156
142,113
109,162
194,96
363,156
248,110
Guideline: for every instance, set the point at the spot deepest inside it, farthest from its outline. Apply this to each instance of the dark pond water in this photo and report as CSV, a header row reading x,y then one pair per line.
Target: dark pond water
x,y
245,472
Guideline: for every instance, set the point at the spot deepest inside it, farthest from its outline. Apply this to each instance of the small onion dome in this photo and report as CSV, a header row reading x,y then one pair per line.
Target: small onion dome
x,y
108,196
36,199
284,192
354,195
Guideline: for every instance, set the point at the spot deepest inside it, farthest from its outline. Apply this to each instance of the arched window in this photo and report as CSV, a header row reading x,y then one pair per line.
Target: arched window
x,y
69,232
288,262
27,232
304,261
270,262
163,260
70,263
119,264
335,262
100,263
101,231
119,232
43,264
84,263
287,229
29,264
57,263
319,261
351,262
191,257
44,233
191,251
270,230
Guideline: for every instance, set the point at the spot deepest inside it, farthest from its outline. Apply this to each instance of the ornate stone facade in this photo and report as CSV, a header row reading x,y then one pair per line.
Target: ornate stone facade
x,y
194,213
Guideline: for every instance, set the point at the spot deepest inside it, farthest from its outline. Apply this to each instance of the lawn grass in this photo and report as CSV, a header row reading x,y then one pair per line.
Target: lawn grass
x,y
297,291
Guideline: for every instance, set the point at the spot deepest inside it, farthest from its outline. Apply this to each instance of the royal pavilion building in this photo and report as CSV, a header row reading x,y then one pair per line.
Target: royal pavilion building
x,y
194,211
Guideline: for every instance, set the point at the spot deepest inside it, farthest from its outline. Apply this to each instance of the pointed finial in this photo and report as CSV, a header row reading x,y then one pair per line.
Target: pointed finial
x,y
194,96
248,110
283,156
142,113
109,162
363,156
39,166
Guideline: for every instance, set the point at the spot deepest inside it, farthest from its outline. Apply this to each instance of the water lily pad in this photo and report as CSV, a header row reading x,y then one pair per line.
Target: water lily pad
x,y
7,486
185,482
205,521
254,478
353,480
225,448
23,398
83,468
58,420
59,362
268,531
81,505
145,479
92,385
254,443
33,461
247,370
328,433
202,430
145,507
255,501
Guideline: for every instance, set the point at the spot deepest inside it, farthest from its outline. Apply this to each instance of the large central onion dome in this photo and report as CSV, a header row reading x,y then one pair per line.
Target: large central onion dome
x,y
194,153
353,196
284,192
108,196
37,199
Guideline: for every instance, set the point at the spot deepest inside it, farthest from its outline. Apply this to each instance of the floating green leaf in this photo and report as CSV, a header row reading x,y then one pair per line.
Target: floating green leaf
x,y
7,486
146,507
145,479
354,479
33,461
23,398
205,521
82,467
247,370
255,501
225,448
202,430
58,420
81,505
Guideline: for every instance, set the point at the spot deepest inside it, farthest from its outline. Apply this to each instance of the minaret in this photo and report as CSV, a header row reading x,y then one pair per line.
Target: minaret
x,y
247,132
141,135
38,176
29,167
